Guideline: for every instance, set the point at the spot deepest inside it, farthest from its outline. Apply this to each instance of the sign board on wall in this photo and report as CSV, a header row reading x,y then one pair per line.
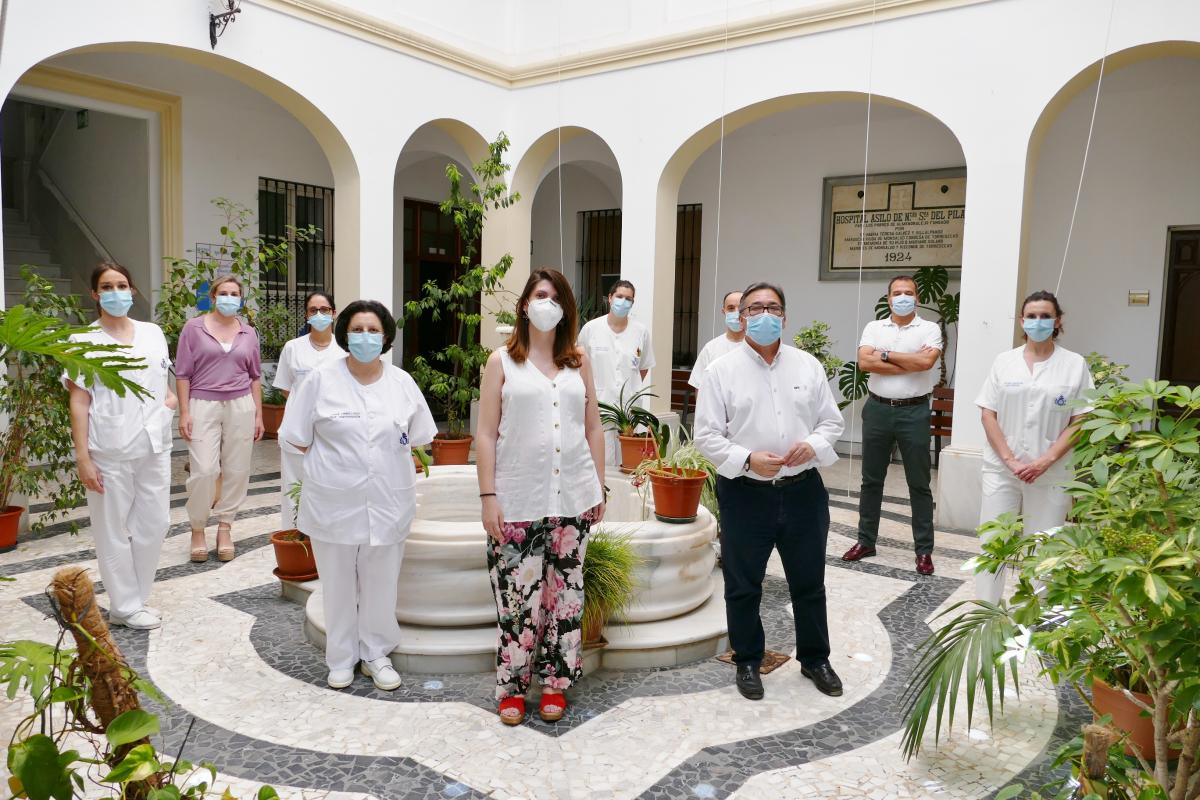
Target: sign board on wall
x,y
912,220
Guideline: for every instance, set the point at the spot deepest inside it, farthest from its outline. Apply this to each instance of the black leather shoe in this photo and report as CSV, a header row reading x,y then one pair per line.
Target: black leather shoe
x,y
824,677
748,682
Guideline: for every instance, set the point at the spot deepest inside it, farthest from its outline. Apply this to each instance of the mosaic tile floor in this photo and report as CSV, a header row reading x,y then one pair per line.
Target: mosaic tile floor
x,y
234,665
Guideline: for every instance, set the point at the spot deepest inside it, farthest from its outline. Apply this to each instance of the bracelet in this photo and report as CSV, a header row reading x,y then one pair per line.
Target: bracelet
x,y
607,491
487,494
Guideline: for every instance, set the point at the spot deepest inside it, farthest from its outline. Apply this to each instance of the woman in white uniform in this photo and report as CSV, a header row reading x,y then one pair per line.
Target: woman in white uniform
x,y
123,452
620,354
299,357
356,420
1029,416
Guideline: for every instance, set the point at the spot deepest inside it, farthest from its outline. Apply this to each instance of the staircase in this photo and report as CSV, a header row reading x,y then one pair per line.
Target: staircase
x,y
23,247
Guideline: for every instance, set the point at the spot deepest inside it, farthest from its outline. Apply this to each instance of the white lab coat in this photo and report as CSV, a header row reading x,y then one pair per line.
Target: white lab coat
x,y
358,497
298,358
129,440
617,361
1033,408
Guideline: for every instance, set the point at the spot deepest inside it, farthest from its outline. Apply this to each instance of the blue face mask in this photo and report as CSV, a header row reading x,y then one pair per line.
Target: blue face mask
x,y
620,306
733,321
1039,330
227,305
904,304
364,346
320,322
117,302
765,329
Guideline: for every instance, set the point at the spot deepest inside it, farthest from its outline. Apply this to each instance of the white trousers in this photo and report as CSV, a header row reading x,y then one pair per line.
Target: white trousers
x,y
221,447
358,583
1042,504
129,523
291,467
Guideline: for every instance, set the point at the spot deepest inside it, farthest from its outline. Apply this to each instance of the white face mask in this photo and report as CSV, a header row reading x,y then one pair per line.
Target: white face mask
x,y
544,314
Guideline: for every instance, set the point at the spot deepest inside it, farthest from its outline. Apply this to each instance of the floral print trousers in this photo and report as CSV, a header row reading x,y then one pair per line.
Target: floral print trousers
x,y
537,575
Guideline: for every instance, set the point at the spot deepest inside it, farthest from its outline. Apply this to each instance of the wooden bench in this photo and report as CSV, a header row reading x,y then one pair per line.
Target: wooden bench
x,y
941,419
682,394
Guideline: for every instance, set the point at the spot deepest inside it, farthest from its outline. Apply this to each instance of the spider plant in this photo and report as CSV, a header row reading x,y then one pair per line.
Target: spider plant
x,y
626,416
608,579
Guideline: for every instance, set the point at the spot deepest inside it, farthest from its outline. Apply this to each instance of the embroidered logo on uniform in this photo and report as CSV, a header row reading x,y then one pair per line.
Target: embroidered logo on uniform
x,y
166,362
404,438
1061,400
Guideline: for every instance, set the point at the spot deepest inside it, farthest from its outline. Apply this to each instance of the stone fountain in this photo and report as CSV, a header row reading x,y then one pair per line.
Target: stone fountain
x,y
448,617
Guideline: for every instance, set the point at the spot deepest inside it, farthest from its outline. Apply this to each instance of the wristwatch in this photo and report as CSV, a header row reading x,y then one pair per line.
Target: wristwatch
x,y
884,355
746,466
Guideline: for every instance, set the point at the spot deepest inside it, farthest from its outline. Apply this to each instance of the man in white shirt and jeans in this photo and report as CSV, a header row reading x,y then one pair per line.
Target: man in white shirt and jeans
x,y
767,419
901,353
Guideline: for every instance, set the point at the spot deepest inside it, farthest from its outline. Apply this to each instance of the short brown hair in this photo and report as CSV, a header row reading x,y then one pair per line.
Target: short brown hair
x,y
221,280
566,353
103,267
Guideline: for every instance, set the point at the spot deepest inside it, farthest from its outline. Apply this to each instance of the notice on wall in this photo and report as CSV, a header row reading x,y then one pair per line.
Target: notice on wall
x,y
911,220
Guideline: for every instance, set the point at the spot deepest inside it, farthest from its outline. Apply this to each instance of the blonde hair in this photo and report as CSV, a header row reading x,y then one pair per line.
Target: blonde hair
x,y
221,280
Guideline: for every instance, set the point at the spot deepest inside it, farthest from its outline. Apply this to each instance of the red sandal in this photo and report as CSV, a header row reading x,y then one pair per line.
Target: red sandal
x,y
517,703
559,701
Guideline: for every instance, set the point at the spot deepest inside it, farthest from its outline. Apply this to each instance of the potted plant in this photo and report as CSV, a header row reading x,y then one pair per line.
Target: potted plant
x,y
677,480
273,401
1112,597
608,584
294,557
635,427
451,376
37,453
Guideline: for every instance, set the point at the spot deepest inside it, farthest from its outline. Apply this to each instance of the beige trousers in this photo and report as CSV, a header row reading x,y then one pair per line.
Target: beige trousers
x,y
220,450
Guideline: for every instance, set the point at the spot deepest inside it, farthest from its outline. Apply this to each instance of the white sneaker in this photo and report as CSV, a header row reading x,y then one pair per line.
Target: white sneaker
x,y
382,673
340,678
139,620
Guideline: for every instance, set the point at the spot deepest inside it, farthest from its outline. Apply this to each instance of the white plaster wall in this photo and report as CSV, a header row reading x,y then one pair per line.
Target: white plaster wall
x,y
581,191
1142,176
103,170
771,207
232,135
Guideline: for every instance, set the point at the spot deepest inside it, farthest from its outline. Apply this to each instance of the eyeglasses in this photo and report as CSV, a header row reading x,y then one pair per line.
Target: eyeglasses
x,y
774,309
321,310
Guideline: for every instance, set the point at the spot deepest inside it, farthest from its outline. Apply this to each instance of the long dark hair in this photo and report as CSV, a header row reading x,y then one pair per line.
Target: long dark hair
x,y
566,353
1048,297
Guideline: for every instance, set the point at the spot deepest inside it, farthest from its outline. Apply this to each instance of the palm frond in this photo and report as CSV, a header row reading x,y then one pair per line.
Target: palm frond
x,y
973,643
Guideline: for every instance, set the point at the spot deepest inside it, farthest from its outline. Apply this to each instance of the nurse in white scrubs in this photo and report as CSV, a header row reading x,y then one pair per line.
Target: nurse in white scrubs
x,y
620,354
1029,416
356,421
123,452
299,357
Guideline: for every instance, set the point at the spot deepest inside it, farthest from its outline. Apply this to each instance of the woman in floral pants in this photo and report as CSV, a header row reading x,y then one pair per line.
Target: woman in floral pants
x,y
540,455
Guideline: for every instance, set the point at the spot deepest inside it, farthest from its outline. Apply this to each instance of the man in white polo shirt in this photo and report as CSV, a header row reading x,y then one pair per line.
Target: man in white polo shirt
x,y
901,353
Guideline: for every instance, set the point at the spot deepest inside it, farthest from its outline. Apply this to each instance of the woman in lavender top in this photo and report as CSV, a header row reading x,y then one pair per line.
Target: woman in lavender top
x,y
218,380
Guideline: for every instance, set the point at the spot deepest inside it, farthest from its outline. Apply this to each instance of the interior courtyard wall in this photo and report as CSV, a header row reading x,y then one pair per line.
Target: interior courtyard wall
x,y
581,191
1142,176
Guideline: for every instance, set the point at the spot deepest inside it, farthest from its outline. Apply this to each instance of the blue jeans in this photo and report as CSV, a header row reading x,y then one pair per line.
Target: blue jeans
x,y
756,519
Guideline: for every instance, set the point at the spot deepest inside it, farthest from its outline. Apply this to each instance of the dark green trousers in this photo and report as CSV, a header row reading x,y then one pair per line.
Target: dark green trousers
x,y
907,426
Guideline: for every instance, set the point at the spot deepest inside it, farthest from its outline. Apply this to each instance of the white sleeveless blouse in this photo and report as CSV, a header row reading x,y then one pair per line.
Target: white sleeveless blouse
x,y
544,467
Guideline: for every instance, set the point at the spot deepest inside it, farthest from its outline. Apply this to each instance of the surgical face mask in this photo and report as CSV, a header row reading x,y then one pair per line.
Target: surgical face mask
x,y
117,302
320,322
365,346
544,314
227,305
733,321
904,304
621,305
765,329
1039,330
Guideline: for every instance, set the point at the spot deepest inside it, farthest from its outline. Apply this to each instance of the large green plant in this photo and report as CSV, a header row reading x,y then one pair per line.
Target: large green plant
x,y
1114,595
248,256
37,454
451,376
816,341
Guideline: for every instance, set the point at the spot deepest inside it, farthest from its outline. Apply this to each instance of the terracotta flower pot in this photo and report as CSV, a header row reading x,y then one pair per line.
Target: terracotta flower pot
x,y
1127,717
294,556
677,493
272,419
10,519
451,451
635,450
